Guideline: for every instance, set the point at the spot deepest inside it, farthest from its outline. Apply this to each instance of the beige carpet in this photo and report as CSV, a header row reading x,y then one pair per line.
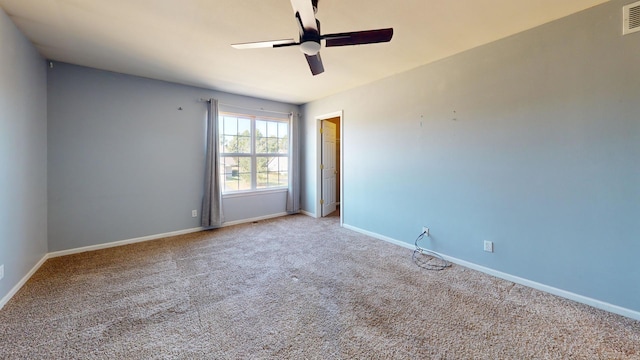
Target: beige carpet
x,y
292,288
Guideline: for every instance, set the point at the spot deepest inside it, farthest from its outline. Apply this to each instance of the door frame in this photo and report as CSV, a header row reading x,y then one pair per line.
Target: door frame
x,y
319,119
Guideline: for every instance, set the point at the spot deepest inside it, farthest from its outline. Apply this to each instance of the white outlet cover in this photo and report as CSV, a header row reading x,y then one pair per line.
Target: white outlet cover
x,y
194,213
1,271
488,246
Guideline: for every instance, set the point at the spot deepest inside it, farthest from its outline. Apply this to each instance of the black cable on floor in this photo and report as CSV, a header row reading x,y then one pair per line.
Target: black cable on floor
x,y
426,258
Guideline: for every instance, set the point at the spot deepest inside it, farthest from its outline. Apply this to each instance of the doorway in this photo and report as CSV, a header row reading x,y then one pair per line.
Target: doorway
x,y
330,166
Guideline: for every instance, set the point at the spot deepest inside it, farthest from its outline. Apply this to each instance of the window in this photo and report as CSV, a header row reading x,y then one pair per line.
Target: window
x,y
254,152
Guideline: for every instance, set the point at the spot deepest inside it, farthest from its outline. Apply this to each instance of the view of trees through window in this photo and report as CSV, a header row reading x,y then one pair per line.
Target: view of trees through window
x,y
254,152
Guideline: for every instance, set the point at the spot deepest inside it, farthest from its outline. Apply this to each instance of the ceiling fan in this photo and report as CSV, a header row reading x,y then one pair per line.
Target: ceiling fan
x,y
310,37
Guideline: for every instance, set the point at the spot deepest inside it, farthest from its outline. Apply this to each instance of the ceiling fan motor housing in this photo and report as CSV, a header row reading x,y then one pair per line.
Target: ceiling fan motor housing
x,y
310,41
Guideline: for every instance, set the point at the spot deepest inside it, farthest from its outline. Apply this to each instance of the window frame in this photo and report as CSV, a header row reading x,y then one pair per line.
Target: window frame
x,y
253,155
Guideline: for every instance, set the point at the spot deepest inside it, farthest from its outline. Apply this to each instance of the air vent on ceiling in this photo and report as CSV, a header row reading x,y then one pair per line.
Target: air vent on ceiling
x,y
631,18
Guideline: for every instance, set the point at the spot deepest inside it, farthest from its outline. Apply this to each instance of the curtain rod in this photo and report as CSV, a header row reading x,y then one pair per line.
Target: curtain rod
x,y
248,108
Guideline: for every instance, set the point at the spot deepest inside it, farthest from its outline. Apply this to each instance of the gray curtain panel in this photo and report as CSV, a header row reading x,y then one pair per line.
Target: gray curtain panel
x,y
293,193
212,216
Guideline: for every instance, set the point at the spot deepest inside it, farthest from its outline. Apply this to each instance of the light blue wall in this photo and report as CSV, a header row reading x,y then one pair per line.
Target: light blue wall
x,y
532,142
23,155
124,162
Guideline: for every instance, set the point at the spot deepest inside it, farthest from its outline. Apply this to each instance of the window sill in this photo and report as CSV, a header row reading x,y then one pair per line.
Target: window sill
x,y
253,193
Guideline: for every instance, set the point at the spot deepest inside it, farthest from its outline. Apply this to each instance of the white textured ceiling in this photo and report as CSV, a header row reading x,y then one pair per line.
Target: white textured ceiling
x,y
187,41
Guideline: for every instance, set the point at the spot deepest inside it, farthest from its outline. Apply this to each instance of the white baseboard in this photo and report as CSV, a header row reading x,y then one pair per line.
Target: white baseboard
x,y
378,236
515,279
243,221
154,237
518,280
308,214
122,242
22,281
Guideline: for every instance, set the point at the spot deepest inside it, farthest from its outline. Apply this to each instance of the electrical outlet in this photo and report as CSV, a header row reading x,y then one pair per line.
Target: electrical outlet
x,y
194,213
488,246
1,271
425,230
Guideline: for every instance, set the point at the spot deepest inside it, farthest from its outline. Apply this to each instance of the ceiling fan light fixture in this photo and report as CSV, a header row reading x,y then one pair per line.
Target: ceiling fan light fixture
x,y
310,47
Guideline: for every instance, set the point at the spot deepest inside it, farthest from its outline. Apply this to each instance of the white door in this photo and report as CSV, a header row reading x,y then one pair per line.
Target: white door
x,y
328,168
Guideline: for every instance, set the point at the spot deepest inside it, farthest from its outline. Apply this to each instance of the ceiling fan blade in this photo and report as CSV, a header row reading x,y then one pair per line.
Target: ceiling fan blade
x,y
265,44
359,37
315,63
306,14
